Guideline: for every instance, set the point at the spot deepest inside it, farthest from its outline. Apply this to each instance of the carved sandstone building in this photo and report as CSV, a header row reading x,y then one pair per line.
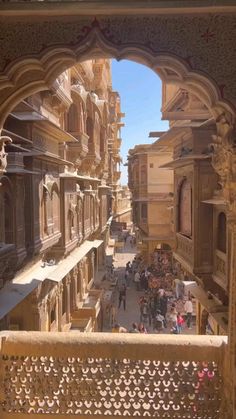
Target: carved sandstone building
x,y
152,197
190,44
56,200
200,222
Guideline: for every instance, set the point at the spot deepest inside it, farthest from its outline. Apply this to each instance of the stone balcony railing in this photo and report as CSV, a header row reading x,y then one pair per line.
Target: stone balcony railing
x,y
185,248
63,375
220,268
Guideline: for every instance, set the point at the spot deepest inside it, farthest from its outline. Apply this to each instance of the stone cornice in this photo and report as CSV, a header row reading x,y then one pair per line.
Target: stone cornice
x,y
117,7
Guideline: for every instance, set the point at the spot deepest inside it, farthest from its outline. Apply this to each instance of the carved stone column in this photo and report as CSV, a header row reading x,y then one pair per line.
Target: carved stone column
x,y
224,163
44,314
92,261
59,294
84,275
68,285
79,283
74,279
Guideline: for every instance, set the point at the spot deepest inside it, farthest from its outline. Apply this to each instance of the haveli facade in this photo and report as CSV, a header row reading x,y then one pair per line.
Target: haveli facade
x,y
56,201
199,217
152,197
190,44
198,221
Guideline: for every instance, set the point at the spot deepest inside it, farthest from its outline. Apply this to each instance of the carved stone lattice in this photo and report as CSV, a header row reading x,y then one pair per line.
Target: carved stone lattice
x,y
111,387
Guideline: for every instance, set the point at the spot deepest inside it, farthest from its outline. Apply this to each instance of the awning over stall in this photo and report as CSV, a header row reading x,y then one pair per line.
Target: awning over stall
x,y
20,287
67,264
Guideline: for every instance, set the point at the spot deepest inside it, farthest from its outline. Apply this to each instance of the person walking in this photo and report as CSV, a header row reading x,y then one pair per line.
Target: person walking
x,y
164,306
188,308
137,280
173,319
159,322
122,296
180,323
177,282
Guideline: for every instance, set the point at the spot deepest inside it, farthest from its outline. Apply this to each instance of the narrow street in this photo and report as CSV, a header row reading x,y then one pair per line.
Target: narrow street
x,y
126,317
131,314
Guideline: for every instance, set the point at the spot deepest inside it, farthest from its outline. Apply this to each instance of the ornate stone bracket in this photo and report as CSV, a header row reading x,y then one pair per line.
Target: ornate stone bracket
x,y
224,157
3,155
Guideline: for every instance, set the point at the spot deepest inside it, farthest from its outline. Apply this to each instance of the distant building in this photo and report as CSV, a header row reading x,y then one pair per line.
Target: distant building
x,y
152,197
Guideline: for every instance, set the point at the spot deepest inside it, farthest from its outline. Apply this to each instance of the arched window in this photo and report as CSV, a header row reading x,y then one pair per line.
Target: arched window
x,y
56,211
71,223
73,123
221,232
79,290
144,212
8,219
53,314
185,208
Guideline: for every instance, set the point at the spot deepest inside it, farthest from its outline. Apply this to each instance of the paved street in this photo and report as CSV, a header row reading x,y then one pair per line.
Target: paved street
x,y
126,317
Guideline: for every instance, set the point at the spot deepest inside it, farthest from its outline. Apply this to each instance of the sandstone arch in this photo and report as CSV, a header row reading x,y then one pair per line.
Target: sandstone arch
x,y
155,41
184,49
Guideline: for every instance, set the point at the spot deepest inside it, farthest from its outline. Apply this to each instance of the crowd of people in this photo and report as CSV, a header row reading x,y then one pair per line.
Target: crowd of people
x,y
163,305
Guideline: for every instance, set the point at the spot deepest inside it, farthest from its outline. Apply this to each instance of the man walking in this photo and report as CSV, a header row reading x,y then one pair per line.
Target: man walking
x,y
188,308
137,280
122,296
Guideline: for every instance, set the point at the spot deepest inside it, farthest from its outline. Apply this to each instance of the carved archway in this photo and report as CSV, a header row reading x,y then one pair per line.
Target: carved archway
x,y
184,49
174,47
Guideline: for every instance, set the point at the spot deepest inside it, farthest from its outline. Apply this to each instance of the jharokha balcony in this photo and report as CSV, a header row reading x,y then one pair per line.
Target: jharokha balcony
x,y
63,375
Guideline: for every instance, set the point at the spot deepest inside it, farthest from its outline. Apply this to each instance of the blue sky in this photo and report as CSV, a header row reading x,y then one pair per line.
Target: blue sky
x,y
140,92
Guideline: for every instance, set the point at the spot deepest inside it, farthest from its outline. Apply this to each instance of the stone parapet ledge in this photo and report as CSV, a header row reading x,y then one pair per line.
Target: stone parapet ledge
x,y
115,346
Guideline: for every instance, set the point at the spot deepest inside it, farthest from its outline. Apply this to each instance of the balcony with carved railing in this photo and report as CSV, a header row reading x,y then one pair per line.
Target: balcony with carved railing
x,y
185,249
61,89
63,375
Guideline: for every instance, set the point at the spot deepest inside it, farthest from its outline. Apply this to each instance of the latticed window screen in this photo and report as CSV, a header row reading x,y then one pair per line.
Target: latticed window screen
x,y
99,387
